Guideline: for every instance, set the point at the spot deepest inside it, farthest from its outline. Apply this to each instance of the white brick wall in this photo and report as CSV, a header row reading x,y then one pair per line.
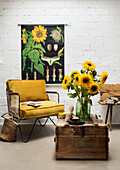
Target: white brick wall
x,y
93,34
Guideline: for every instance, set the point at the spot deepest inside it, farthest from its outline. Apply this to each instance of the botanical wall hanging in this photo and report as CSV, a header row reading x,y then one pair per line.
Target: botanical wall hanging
x,y
85,84
43,52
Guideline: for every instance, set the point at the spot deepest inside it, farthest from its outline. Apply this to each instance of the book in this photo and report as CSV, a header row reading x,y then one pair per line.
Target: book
x,y
35,104
32,103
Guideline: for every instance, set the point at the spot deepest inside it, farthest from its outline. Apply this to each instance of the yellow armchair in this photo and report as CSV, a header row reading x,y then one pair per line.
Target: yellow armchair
x,y
19,91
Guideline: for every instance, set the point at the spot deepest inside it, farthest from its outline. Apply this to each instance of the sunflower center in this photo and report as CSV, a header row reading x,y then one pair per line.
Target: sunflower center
x,y
89,64
39,34
85,80
105,78
65,81
94,88
76,78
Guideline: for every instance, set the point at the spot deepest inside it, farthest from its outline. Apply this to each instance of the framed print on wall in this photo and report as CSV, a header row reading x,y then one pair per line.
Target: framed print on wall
x,y
42,52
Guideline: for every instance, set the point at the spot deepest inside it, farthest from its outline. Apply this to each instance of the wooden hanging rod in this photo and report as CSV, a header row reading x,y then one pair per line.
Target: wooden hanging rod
x,y
44,24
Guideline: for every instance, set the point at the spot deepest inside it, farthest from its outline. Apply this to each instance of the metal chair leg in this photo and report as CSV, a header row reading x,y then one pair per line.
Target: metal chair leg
x,y
44,123
25,141
52,121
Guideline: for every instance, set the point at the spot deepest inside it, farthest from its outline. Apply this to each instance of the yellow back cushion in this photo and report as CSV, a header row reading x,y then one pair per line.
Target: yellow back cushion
x,y
29,90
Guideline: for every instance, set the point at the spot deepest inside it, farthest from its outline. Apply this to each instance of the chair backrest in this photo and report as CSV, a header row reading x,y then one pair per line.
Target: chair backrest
x,y
109,90
29,90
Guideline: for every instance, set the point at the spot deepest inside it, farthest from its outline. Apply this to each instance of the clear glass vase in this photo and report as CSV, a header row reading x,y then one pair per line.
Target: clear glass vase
x,y
83,108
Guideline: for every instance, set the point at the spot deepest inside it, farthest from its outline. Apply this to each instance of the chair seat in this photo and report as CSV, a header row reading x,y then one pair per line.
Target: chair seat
x,y
49,108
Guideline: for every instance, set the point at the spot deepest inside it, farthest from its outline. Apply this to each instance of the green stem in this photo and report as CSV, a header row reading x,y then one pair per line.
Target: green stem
x,y
31,67
76,89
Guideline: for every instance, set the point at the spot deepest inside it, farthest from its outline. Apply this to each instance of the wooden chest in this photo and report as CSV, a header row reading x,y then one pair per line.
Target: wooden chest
x,y
88,141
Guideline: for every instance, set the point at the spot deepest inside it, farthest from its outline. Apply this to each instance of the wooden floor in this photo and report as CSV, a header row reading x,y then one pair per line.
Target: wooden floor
x,y
39,153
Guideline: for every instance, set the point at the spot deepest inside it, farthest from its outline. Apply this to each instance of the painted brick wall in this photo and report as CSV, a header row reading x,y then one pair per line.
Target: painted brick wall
x,y
93,34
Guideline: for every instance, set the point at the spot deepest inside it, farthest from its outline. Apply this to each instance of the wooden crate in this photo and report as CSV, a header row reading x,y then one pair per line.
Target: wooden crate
x,y
88,141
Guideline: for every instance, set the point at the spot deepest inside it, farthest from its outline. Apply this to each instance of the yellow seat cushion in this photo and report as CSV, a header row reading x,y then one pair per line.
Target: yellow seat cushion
x,y
29,90
49,108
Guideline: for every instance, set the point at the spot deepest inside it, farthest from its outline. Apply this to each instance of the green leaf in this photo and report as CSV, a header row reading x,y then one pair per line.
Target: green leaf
x,y
30,33
82,71
25,51
60,54
26,35
79,90
39,46
59,29
41,55
41,62
90,101
44,42
34,56
39,68
62,38
72,95
94,73
56,62
27,45
85,93
31,41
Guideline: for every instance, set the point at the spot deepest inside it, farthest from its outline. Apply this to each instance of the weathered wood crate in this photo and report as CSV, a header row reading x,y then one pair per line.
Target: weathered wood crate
x,y
88,141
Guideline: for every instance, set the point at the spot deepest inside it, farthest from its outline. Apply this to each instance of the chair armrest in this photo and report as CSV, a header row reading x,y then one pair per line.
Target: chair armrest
x,y
13,102
53,95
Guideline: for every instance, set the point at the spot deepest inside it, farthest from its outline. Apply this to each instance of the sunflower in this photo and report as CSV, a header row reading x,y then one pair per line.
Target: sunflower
x,y
88,65
65,82
73,73
39,33
94,88
86,80
77,79
104,77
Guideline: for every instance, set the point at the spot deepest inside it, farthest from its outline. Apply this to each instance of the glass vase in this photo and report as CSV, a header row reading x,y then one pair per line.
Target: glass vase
x,y
83,108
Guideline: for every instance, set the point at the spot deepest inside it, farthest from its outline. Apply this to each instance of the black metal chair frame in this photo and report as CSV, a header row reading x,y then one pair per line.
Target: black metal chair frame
x,y
36,119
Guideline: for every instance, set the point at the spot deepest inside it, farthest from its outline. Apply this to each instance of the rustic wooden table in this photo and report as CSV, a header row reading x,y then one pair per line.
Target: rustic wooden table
x,y
87,141
109,112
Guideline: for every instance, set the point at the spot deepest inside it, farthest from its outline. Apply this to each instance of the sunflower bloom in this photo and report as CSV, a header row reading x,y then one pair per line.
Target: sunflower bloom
x,y
77,79
73,73
39,33
94,88
86,80
65,82
88,65
104,77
